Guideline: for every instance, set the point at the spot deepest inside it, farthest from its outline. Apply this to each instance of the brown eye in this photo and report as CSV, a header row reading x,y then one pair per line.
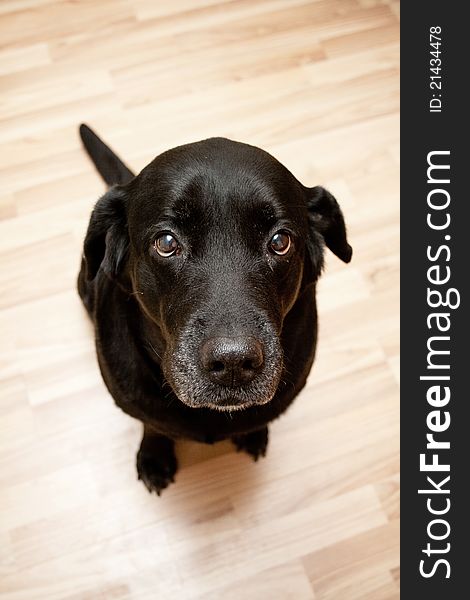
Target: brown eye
x,y
166,245
280,243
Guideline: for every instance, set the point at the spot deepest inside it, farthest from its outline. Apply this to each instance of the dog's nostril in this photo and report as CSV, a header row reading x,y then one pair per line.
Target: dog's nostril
x,y
217,366
248,365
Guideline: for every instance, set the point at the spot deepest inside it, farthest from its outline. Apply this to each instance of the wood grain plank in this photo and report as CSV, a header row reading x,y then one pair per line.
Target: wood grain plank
x,y
316,84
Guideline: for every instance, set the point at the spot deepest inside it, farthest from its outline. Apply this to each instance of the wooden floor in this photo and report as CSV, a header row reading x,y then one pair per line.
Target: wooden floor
x,y
316,84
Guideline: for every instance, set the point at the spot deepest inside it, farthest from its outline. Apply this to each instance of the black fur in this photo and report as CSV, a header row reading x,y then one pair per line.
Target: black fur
x,y
109,166
153,315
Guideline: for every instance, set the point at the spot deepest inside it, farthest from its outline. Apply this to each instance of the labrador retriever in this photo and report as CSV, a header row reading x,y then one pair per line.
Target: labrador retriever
x,y
199,275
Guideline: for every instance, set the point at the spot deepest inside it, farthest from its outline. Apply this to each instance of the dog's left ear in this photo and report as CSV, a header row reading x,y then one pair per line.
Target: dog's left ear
x,y
107,239
325,217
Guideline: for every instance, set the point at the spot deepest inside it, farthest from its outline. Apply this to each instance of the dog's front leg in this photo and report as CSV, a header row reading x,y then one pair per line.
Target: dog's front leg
x,y
156,461
254,443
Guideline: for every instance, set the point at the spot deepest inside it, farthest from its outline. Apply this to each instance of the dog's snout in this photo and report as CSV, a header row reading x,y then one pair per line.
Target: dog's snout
x,y
232,361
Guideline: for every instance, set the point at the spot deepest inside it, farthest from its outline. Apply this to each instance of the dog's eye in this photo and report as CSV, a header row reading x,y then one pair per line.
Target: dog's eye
x,y
166,245
280,243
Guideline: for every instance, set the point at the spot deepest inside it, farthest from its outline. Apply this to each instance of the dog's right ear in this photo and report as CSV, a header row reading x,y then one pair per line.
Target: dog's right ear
x,y
326,217
107,239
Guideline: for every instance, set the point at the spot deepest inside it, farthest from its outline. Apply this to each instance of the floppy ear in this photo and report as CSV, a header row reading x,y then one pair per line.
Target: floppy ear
x,y
107,239
325,217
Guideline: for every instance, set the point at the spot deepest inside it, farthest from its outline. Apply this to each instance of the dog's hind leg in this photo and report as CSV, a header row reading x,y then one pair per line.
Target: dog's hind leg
x,y
156,461
254,443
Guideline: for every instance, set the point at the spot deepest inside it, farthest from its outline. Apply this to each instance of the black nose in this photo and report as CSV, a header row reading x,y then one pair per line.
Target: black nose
x,y
231,361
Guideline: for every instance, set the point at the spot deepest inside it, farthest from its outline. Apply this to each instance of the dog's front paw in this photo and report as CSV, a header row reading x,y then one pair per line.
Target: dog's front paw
x,y
254,443
156,463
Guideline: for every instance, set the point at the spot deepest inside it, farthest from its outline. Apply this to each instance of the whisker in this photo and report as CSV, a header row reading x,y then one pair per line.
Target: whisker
x,y
151,346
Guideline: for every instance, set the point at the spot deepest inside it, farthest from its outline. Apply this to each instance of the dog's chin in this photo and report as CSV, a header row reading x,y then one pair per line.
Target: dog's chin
x,y
224,399
230,406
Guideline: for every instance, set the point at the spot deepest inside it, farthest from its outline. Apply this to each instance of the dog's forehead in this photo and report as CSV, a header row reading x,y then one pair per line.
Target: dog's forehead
x,y
233,193
217,179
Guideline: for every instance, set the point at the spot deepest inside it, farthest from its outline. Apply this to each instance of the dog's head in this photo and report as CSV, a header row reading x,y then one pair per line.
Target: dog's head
x,y
218,240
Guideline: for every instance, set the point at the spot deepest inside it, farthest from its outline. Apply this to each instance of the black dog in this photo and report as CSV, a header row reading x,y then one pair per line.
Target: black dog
x,y
199,275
